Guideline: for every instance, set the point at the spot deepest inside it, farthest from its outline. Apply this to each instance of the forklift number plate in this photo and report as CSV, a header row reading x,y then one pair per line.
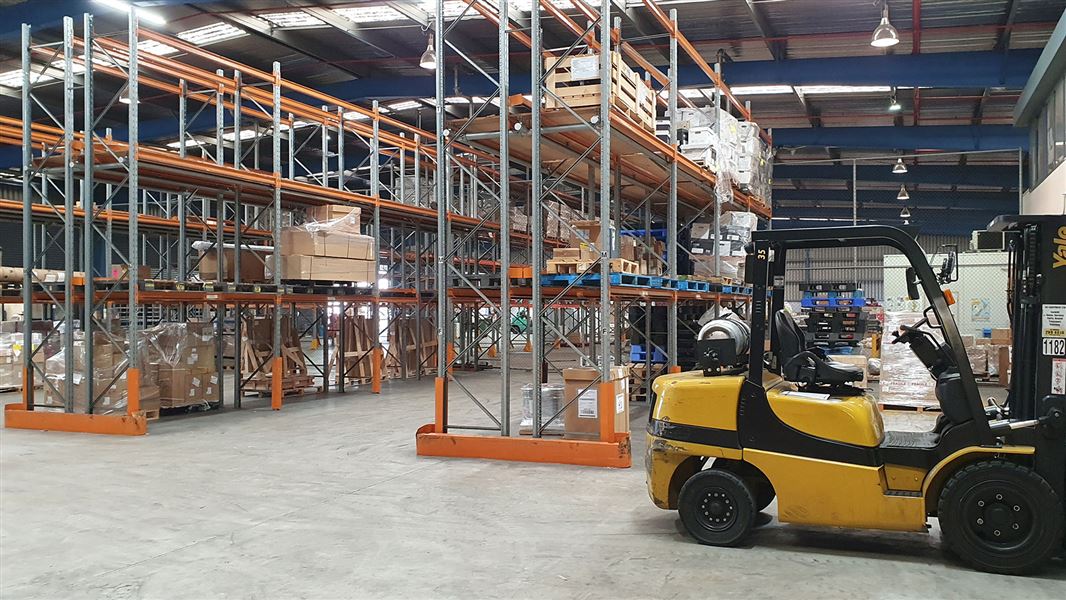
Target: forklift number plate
x,y
1054,346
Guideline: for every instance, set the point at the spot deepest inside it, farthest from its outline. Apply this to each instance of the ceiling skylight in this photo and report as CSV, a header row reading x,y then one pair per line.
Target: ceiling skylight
x,y
157,48
759,90
843,89
406,105
210,34
297,18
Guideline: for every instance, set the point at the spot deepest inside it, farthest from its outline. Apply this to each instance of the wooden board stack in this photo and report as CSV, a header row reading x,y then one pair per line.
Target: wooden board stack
x,y
575,82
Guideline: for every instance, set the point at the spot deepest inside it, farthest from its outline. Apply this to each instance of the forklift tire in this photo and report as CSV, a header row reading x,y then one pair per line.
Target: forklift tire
x,y
1000,517
716,507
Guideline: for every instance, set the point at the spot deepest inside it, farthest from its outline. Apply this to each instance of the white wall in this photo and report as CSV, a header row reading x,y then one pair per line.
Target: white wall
x,y
1049,198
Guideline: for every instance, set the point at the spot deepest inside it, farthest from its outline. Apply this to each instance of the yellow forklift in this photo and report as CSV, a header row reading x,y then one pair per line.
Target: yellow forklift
x,y
763,420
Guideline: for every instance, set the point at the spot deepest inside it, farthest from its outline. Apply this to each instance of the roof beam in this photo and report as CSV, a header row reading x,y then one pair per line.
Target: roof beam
x,y
379,42
984,175
302,45
412,12
773,43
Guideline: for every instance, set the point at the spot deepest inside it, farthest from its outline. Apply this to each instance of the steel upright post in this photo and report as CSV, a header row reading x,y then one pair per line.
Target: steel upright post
x,y
88,116
605,193
68,213
28,252
441,395
536,230
237,126
505,225
133,398
718,186
340,148
375,191
671,200
183,259
275,142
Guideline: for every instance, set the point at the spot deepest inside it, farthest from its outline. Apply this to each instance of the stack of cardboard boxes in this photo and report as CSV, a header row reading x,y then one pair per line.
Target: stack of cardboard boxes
x,y
181,356
331,249
734,234
582,416
252,267
109,373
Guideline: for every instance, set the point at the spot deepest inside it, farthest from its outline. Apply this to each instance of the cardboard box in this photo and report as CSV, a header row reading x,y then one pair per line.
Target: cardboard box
x,y
332,212
362,247
1001,336
252,268
122,272
574,254
581,418
325,268
629,248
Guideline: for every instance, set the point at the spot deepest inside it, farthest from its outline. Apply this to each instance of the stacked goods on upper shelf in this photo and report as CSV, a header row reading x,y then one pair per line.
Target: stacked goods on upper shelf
x,y
14,275
251,268
575,82
732,148
331,249
734,234
182,355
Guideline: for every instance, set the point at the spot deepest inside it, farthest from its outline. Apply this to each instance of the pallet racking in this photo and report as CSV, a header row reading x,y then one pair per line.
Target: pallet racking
x,y
596,159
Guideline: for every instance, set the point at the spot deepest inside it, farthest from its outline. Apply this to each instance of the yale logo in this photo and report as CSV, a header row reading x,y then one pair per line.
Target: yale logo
x,y
1058,254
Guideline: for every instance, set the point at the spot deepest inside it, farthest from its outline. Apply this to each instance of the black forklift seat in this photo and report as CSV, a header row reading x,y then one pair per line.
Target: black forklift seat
x,y
800,365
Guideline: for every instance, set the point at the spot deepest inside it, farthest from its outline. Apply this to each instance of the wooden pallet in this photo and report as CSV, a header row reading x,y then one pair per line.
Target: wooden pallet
x,y
574,81
151,415
572,267
920,408
290,385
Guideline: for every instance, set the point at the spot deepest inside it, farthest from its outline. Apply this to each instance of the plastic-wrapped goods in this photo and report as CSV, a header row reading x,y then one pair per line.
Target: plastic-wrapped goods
x,y
183,358
327,250
109,372
904,379
551,400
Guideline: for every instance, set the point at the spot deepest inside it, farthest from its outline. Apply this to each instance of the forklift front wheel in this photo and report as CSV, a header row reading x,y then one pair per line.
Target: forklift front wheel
x,y
716,507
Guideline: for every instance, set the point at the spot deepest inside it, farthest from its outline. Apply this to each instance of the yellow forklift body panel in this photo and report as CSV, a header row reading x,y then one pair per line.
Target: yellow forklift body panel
x,y
848,419
692,399
821,492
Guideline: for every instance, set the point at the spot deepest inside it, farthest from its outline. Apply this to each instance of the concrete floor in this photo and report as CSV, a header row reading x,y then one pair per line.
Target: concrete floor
x,y
327,499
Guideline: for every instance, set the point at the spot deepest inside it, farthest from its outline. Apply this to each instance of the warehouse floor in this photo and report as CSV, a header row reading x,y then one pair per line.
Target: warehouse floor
x,y
327,499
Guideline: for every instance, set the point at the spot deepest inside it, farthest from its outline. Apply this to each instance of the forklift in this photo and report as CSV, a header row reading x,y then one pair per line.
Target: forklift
x,y
760,421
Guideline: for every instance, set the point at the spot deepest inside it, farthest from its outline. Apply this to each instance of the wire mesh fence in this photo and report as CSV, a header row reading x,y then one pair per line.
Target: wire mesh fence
x,y
940,198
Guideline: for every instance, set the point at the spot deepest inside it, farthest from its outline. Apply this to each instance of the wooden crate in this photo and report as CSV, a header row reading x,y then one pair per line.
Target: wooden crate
x,y
404,352
563,267
575,82
257,349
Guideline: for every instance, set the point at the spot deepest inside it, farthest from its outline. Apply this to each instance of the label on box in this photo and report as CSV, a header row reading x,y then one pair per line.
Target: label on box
x,y
620,402
77,379
586,405
585,67
214,379
1054,322
1058,376
196,382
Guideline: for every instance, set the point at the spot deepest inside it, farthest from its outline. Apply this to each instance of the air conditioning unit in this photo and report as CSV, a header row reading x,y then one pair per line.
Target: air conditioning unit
x,y
987,241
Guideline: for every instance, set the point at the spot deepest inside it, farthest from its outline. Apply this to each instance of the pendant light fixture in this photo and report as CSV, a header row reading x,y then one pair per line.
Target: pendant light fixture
x,y
900,168
903,195
885,36
905,213
429,57
894,105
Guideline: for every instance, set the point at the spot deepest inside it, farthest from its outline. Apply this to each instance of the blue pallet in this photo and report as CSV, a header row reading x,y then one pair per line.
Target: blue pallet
x,y
833,302
593,279
638,354
694,286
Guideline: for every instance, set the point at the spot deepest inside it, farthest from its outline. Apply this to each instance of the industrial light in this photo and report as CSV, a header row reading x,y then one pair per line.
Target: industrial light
x,y
885,36
429,57
125,97
895,106
905,213
903,195
809,90
142,14
900,168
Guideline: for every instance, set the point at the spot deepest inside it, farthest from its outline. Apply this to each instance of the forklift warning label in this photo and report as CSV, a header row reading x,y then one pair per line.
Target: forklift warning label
x,y
1058,376
1054,323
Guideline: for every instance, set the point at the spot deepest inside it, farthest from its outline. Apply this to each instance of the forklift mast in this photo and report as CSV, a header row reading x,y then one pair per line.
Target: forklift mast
x,y
1037,308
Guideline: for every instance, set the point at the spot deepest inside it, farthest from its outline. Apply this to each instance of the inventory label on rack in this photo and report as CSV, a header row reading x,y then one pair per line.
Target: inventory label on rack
x,y
1054,329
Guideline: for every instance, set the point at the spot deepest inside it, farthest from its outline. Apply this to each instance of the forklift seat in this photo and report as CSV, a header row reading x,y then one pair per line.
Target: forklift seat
x,y
800,365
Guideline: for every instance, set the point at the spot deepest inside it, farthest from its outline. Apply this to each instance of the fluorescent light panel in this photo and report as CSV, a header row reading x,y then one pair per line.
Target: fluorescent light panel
x,y
406,105
843,89
296,18
144,15
210,34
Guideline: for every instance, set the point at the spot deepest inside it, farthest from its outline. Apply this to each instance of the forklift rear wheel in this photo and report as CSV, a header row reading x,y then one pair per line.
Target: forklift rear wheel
x,y
717,507
1000,517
